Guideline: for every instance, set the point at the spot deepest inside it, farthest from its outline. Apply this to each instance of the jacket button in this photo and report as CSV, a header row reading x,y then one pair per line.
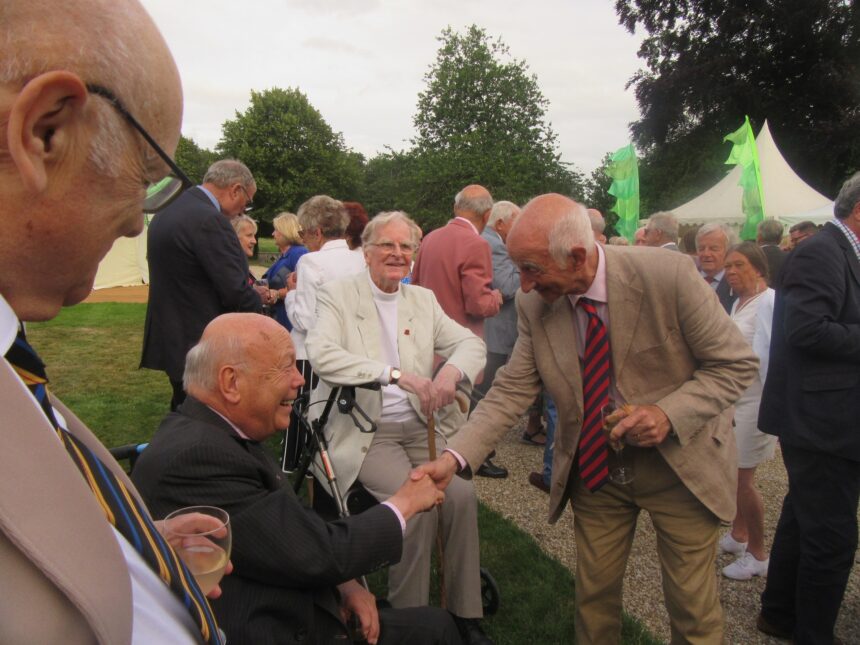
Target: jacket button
x,y
364,449
301,634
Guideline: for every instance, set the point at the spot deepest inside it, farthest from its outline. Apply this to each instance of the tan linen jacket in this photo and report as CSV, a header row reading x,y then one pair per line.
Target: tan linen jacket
x,y
672,345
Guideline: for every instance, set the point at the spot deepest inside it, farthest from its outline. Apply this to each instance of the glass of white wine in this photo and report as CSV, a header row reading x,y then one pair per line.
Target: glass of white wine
x,y
201,537
619,461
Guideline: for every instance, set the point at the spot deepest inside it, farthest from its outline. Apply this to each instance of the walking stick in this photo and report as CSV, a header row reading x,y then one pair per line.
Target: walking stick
x,y
431,446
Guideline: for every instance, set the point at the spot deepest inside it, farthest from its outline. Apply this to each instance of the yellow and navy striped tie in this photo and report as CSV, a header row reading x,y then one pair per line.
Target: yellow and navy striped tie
x,y
121,508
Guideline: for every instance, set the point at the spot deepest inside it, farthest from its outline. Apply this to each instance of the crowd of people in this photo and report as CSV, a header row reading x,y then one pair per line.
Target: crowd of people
x,y
709,361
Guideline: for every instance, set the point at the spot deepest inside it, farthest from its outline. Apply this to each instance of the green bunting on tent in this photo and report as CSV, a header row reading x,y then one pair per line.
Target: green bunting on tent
x,y
624,169
745,154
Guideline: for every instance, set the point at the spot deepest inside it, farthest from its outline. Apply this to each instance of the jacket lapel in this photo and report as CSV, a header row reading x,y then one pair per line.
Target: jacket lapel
x,y
559,324
368,320
624,293
406,342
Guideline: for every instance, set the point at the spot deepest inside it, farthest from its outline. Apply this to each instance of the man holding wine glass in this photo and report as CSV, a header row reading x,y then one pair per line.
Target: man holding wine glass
x,y
295,573
637,327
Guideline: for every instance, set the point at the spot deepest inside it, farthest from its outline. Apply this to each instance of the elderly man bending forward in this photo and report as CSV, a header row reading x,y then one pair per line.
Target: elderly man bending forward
x,y
370,327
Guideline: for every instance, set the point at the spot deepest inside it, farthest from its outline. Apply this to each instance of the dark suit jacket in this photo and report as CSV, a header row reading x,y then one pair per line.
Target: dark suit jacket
x,y
775,259
197,271
287,559
724,293
811,398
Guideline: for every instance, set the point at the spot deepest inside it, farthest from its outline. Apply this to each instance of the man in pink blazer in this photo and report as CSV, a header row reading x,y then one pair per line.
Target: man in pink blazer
x,y
455,262
675,355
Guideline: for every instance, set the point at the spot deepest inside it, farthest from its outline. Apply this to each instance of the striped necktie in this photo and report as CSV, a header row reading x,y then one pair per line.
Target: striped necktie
x,y
596,374
121,508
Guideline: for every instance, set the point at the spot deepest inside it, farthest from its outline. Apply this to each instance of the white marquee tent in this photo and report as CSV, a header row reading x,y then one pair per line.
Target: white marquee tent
x,y
786,196
125,264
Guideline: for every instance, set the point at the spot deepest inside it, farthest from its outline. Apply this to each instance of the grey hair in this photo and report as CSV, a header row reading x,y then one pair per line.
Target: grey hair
x,y
370,233
770,231
239,221
226,172
205,359
848,197
502,212
96,49
325,213
572,229
598,223
666,223
713,227
478,205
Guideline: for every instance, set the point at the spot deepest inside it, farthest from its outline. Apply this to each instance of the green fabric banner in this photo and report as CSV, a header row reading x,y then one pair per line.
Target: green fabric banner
x,y
745,154
624,169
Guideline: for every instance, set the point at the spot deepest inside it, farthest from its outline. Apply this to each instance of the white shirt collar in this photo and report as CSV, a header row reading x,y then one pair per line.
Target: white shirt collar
x,y
331,245
463,219
8,326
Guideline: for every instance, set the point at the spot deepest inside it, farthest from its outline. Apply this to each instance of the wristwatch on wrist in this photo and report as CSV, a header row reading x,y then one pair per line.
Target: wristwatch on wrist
x,y
394,376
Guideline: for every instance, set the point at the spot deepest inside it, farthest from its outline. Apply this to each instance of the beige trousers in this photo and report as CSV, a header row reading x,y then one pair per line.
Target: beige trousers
x,y
395,450
604,525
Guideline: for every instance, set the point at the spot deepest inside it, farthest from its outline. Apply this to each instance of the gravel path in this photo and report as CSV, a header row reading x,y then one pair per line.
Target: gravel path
x,y
643,598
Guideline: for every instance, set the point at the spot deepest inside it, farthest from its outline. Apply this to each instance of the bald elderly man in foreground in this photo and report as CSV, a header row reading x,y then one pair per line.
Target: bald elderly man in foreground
x,y
621,325
295,573
90,107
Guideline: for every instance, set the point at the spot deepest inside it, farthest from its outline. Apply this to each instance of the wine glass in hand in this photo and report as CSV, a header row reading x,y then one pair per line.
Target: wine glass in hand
x,y
620,463
201,537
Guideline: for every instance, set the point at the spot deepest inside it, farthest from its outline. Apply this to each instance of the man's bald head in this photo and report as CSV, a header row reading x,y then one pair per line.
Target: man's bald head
x,y
244,368
553,245
474,203
72,168
598,225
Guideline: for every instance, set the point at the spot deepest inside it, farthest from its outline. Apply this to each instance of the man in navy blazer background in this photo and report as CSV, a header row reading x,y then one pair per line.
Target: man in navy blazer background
x,y
811,401
197,269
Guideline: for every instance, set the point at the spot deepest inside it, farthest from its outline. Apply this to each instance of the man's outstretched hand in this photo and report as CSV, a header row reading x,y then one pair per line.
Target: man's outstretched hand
x,y
441,471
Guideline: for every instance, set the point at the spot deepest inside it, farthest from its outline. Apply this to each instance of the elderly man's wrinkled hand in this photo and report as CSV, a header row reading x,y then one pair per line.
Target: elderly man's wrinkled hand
x,y
416,495
446,385
355,599
646,427
421,387
441,471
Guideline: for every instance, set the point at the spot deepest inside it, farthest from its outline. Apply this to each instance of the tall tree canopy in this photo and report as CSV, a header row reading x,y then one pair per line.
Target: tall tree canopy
x,y
192,159
480,119
293,153
795,63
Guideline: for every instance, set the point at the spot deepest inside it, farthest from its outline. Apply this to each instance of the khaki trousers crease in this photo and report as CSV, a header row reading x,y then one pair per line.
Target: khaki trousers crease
x,y
686,531
396,449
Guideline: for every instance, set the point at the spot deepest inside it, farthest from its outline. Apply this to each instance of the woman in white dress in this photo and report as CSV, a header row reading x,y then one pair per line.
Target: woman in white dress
x,y
752,312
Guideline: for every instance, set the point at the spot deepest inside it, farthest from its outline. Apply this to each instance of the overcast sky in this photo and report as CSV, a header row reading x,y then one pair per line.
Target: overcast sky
x,y
361,63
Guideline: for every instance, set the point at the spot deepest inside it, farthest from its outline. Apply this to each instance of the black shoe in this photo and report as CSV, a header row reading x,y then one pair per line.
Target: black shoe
x,y
766,627
471,632
489,469
536,480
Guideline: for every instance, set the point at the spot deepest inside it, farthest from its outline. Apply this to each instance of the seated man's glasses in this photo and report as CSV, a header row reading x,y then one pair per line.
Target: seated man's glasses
x,y
161,193
407,248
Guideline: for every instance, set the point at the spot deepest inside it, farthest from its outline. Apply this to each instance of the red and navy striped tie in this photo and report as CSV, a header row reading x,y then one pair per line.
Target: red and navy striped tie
x,y
121,508
596,374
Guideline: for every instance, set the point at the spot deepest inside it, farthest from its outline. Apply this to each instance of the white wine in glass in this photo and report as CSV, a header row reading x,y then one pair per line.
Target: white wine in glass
x,y
201,537
620,463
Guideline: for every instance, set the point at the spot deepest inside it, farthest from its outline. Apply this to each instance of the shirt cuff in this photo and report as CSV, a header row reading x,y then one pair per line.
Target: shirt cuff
x,y
460,461
399,516
385,377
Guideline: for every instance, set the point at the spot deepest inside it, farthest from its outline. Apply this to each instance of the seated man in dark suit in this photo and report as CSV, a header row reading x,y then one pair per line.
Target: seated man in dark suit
x,y
294,573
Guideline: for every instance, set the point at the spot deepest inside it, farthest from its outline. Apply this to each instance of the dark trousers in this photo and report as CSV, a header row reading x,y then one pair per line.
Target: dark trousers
x,y
418,626
814,545
494,362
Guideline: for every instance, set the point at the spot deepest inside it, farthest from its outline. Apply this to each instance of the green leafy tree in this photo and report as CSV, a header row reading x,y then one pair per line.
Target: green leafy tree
x,y
481,119
293,153
193,159
597,194
795,63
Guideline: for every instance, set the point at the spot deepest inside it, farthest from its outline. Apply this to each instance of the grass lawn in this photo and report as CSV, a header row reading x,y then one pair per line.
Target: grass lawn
x,y
92,352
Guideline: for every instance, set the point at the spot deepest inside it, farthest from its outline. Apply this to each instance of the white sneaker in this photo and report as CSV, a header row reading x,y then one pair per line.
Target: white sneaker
x,y
730,545
745,567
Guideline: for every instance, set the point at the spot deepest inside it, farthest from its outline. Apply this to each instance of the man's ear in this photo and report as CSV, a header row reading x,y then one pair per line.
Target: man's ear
x,y
228,384
41,125
578,256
